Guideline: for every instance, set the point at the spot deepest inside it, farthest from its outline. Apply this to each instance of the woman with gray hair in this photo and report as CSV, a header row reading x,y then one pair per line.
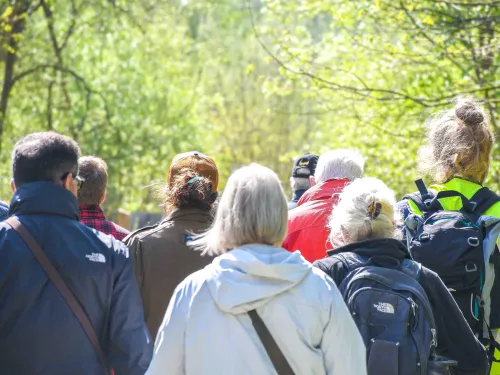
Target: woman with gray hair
x,y
213,324
364,230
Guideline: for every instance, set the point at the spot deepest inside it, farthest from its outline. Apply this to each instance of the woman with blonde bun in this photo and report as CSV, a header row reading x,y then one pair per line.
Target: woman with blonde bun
x,y
457,154
456,159
364,231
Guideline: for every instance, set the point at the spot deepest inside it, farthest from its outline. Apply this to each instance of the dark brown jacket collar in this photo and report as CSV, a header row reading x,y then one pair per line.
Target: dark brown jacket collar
x,y
190,214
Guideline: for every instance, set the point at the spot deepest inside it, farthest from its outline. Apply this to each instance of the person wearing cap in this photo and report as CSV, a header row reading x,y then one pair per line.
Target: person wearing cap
x,y
302,171
159,253
307,224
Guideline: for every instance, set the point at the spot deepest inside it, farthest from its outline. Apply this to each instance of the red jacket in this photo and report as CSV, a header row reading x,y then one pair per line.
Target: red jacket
x,y
307,224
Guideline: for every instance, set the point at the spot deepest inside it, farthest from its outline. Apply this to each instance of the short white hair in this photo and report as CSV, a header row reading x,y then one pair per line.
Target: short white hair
x,y
300,183
339,164
351,220
253,209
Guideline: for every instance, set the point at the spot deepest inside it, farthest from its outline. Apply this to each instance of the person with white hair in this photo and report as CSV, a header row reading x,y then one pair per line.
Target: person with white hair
x,y
364,230
222,318
307,229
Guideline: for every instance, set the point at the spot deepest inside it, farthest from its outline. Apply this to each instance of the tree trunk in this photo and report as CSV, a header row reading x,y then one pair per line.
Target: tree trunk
x,y
18,22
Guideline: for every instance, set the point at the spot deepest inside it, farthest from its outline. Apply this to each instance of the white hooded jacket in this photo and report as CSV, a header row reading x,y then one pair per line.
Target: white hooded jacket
x,y
207,330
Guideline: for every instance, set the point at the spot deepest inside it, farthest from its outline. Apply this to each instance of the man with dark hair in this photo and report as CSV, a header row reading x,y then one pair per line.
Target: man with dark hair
x,y
91,195
43,331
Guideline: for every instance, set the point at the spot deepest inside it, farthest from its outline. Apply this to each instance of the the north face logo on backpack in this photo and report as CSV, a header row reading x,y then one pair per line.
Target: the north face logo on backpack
x,y
384,307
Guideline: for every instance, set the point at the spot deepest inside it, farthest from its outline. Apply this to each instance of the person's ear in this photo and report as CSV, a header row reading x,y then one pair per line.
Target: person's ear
x,y
103,198
312,180
13,185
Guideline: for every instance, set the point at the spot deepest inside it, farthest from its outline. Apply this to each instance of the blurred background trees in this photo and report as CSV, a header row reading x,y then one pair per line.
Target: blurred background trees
x,y
137,81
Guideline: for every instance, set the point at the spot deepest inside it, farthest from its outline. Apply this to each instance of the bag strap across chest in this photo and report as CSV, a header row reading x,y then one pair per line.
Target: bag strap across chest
x,y
55,277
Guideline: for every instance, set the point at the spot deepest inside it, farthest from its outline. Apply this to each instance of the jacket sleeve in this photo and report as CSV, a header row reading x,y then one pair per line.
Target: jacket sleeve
x,y
455,338
135,246
130,345
169,346
343,349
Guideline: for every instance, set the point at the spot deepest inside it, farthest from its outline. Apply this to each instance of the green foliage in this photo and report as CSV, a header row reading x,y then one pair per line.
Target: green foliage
x,y
255,81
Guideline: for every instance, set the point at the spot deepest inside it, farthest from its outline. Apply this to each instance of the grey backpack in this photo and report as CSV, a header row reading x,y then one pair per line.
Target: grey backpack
x,y
392,312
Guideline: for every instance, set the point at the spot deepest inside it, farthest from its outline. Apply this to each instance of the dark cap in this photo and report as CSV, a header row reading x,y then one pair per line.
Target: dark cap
x,y
305,166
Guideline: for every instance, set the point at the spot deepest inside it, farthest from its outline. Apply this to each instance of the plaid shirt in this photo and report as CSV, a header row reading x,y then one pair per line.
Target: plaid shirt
x,y
92,216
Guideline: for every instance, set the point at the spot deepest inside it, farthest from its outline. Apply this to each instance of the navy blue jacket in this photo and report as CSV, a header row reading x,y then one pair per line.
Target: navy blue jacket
x,y
38,332
4,211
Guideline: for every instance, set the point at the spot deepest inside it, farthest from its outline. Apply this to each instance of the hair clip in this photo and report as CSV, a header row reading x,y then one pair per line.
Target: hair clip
x,y
193,180
374,210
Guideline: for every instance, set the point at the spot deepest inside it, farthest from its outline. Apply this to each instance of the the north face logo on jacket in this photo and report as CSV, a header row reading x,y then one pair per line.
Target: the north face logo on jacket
x,y
95,257
384,307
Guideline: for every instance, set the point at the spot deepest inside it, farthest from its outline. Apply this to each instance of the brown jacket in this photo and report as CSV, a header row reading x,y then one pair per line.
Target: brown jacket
x,y
162,259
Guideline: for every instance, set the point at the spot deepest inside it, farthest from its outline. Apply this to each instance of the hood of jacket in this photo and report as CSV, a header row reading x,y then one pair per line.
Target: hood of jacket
x,y
323,191
44,198
387,247
247,277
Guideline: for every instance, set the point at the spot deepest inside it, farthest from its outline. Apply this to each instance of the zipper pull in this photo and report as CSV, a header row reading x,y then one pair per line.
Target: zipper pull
x,y
414,307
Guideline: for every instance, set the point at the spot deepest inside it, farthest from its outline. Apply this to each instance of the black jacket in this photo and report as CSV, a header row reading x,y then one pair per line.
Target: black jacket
x,y
297,194
455,339
39,334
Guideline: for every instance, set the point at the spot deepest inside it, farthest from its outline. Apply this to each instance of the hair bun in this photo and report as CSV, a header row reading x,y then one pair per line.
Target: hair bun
x,y
469,113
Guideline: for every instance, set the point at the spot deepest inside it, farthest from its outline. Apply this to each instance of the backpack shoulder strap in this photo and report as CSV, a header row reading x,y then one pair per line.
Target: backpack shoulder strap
x,y
411,268
417,199
423,198
60,285
279,361
483,200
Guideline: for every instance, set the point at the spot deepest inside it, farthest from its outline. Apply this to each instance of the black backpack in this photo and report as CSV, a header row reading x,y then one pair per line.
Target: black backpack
x,y
392,312
460,246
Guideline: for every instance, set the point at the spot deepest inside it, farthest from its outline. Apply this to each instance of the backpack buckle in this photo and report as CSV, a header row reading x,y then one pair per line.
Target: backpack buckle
x,y
473,241
424,237
473,206
470,267
428,203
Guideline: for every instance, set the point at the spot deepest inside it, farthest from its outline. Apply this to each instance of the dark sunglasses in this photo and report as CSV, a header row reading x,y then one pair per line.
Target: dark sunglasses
x,y
79,180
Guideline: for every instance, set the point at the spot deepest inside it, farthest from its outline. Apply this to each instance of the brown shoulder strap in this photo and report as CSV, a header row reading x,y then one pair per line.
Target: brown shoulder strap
x,y
279,361
60,284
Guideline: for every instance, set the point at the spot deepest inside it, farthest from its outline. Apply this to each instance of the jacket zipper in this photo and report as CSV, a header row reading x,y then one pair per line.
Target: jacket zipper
x,y
466,223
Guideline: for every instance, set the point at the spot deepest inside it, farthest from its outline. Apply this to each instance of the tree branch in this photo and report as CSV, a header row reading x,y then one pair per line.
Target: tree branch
x,y
426,36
